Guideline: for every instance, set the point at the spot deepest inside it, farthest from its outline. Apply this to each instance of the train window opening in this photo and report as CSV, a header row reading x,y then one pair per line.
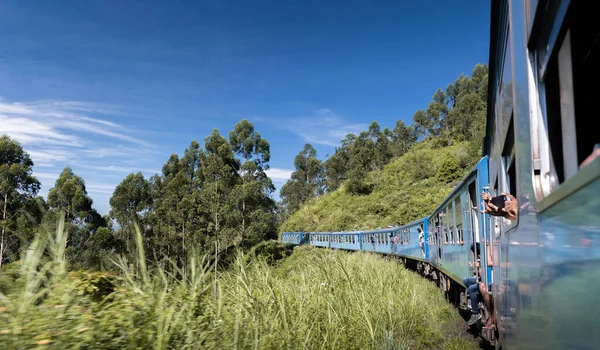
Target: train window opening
x,y
458,221
568,53
508,159
512,178
449,224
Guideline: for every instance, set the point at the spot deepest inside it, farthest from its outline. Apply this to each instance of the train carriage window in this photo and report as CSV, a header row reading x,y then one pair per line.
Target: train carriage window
x,y
451,223
431,234
444,224
458,220
566,53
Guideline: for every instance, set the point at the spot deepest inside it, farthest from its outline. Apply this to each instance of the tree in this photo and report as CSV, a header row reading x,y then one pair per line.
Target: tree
x,y
69,194
449,170
422,123
220,171
81,220
17,185
250,198
305,182
129,199
403,138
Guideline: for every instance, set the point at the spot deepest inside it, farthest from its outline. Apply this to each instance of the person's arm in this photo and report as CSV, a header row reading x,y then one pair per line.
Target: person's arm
x,y
490,257
595,153
510,210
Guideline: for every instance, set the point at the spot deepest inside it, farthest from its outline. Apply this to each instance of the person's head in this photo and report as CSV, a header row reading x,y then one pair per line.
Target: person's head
x,y
419,230
475,248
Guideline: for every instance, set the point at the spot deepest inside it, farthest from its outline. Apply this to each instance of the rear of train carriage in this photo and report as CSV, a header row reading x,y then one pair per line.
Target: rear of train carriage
x,y
543,88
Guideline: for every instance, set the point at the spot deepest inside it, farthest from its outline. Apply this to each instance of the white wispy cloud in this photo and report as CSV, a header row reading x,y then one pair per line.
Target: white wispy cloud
x,y
323,127
121,169
77,134
279,175
100,188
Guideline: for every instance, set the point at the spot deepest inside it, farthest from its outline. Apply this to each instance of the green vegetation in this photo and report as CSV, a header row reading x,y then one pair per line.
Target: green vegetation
x,y
402,192
216,197
200,270
390,176
313,299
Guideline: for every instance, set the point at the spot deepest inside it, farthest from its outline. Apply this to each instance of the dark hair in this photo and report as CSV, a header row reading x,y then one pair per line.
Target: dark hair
x,y
478,248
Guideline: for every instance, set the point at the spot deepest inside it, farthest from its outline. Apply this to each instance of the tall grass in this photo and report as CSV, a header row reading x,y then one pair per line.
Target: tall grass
x,y
314,299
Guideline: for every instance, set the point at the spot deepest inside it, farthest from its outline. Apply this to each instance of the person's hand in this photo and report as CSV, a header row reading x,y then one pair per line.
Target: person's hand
x,y
595,154
490,208
485,196
510,210
470,264
510,207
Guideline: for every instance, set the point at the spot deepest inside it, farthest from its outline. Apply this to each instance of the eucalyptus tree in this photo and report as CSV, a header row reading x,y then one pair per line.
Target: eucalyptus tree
x,y
17,186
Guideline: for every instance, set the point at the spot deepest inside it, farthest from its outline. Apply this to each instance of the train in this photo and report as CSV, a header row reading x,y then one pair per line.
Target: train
x,y
540,271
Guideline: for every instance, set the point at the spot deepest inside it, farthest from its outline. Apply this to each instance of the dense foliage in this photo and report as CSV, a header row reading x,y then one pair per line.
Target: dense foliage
x,y
19,209
404,190
210,199
385,177
313,299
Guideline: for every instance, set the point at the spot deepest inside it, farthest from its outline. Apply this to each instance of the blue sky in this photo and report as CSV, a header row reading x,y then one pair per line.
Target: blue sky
x,y
110,87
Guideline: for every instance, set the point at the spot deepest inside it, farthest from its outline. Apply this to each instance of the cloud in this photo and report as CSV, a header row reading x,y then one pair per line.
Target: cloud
x,y
323,127
79,134
279,175
57,122
100,188
121,169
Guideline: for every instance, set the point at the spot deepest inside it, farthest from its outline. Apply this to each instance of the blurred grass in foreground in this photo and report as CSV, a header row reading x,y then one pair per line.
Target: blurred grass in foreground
x,y
312,299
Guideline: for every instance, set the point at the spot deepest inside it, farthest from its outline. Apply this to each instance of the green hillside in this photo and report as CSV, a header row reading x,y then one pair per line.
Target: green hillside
x,y
406,189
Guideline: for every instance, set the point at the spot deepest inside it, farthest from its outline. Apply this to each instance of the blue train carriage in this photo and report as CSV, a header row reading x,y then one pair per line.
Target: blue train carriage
x,y
349,240
544,69
377,240
319,239
293,237
453,227
408,242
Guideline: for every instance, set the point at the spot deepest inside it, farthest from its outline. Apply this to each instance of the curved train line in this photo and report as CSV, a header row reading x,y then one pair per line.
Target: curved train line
x,y
540,271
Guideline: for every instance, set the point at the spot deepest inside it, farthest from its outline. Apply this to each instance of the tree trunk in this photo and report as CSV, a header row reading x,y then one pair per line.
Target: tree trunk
x,y
2,247
216,260
243,221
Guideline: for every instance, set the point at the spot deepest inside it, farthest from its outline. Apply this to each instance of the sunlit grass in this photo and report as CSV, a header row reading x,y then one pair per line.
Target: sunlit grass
x,y
405,190
314,299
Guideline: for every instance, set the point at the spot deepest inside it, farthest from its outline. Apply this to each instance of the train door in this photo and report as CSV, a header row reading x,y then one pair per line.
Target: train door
x,y
473,214
465,213
439,236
